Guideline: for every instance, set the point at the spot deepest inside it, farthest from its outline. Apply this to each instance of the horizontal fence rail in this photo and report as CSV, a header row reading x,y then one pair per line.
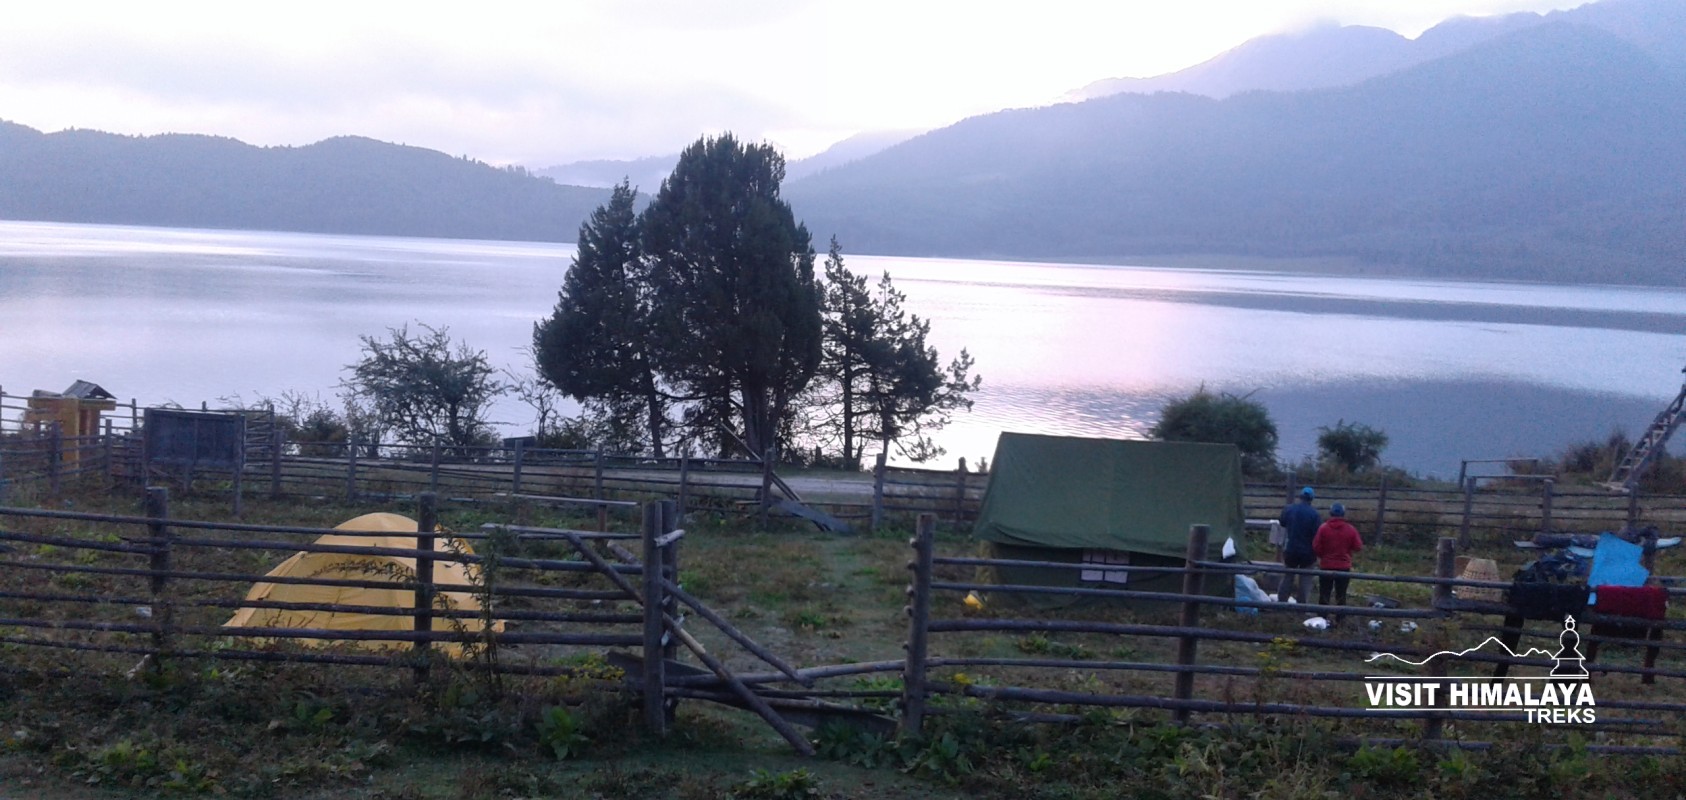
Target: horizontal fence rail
x,y
1487,512
163,588
1197,676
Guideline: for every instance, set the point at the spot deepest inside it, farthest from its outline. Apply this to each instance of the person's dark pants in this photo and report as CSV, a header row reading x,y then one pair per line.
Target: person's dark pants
x,y
1338,583
1295,586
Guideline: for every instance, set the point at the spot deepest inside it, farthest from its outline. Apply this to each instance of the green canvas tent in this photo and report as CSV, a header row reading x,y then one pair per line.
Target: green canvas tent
x,y
1110,503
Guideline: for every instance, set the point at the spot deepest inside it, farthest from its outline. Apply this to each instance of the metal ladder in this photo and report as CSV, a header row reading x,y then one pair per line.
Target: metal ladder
x,y
1632,465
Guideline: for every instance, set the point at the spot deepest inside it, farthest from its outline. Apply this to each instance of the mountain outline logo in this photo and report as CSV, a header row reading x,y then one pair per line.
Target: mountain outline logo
x,y
1570,662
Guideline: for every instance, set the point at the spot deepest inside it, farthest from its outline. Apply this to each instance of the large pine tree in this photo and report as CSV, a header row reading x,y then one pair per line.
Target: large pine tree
x,y
735,300
597,345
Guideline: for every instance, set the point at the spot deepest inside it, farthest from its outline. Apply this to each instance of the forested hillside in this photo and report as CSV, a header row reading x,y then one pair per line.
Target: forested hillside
x,y
341,185
1556,152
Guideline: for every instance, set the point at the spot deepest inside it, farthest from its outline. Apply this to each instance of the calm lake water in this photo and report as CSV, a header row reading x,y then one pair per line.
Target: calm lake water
x,y
1451,370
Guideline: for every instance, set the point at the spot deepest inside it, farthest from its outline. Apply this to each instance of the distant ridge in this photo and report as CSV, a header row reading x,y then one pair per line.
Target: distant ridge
x,y
1555,153
1328,56
646,174
347,184
848,151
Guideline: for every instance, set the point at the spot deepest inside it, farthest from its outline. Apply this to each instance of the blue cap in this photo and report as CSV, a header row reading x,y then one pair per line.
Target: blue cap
x,y
1337,510
1306,492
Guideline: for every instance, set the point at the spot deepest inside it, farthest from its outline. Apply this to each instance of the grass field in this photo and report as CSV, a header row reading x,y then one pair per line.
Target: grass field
x,y
76,727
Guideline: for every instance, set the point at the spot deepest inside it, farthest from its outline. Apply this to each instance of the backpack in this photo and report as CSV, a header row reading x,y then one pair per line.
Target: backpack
x,y
1550,587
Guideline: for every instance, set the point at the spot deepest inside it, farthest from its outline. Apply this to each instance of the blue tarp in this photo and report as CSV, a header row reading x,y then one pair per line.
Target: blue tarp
x,y
1615,562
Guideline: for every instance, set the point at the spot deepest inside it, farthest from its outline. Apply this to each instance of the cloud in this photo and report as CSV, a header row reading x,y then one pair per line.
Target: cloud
x,y
541,84
521,106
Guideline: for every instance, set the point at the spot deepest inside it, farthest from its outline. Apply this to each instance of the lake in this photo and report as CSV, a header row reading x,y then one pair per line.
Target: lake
x,y
1450,370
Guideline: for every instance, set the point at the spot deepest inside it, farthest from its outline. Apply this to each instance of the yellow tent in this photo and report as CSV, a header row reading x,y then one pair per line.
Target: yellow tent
x,y
369,568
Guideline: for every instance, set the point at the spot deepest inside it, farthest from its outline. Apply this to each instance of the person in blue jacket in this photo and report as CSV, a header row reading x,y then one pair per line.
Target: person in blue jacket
x,y
1299,523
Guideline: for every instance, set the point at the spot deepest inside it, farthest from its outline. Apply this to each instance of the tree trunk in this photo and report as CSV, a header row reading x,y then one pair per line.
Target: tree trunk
x,y
851,459
757,422
652,400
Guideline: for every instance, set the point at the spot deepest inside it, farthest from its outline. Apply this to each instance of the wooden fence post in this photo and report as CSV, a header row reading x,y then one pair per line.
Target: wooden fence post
x,y
1445,560
2,478
766,486
351,469
433,470
1546,487
918,626
1188,647
1289,487
878,471
520,459
163,612
684,485
655,669
1469,508
597,490
670,572
1381,510
107,446
960,495
427,523
240,474
55,454
1632,505
277,446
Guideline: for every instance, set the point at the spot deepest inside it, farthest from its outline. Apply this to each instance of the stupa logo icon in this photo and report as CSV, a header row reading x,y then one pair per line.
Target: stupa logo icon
x,y
1570,662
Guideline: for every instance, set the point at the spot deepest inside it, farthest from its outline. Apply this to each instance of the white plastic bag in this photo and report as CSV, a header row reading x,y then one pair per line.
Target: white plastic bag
x,y
1229,548
1317,624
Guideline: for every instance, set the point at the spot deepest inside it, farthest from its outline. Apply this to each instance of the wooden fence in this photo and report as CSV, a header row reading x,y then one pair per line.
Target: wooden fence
x,y
1482,511
954,496
1487,512
162,589
1632,714
166,588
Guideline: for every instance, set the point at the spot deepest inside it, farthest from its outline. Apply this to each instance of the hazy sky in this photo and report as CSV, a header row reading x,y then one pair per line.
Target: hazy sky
x,y
541,83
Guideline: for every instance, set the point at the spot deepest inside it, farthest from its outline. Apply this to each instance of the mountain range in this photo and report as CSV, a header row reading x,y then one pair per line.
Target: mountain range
x,y
1556,151
1326,56
347,184
1547,147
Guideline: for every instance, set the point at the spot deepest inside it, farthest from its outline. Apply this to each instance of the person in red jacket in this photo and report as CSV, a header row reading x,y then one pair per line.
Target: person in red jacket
x,y
1334,544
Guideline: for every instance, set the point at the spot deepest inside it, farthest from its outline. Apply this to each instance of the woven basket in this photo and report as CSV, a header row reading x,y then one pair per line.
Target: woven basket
x,y
1480,569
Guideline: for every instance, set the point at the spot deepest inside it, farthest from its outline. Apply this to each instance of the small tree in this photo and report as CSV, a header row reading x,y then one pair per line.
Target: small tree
x,y
879,381
1224,419
541,397
1356,447
425,389
310,425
